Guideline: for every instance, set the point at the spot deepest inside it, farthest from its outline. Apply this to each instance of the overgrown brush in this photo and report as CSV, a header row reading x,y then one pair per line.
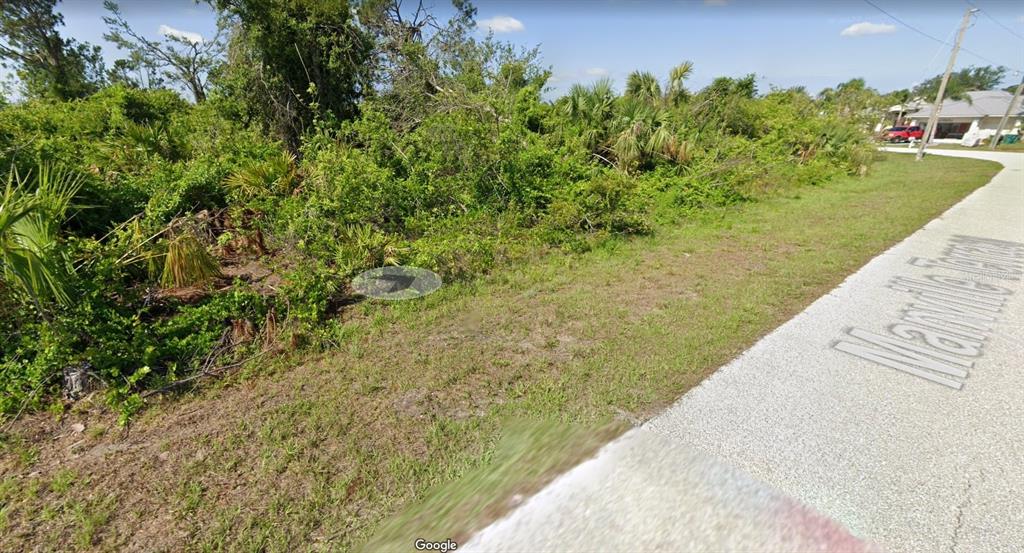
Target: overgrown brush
x,y
452,161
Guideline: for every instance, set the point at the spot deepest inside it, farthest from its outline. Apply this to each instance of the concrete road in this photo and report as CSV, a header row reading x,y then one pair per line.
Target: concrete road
x,y
889,415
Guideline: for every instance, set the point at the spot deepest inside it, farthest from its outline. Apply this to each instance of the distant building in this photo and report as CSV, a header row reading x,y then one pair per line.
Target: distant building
x,y
975,118
897,115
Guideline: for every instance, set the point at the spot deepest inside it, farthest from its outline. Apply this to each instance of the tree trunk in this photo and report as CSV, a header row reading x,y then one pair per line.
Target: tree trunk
x,y
197,90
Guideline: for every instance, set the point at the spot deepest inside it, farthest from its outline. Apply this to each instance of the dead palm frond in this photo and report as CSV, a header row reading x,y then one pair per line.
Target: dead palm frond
x,y
678,150
187,263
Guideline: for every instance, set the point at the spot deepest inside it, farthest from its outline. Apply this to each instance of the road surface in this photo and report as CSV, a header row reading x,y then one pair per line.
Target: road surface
x,y
889,415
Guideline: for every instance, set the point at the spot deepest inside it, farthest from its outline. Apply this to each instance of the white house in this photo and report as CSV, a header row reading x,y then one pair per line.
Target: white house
x,y
897,115
976,118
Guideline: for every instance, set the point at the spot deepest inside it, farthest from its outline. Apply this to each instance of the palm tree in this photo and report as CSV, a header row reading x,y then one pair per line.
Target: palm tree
x,y
635,127
29,222
643,85
592,109
675,92
642,130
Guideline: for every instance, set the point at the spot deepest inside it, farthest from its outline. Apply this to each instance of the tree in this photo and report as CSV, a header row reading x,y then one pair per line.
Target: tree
x,y
47,64
592,109
135,72
900,96
726,87
644,85
854,100
642,130
404,36
421,64
723,104
184,58
960,82
630,130
291,61
675,92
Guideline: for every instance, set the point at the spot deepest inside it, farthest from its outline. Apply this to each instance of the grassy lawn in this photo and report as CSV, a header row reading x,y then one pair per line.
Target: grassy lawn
x,y
1017,147
446,411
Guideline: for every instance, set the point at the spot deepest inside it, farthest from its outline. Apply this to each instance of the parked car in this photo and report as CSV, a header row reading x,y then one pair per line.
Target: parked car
x,y
903,134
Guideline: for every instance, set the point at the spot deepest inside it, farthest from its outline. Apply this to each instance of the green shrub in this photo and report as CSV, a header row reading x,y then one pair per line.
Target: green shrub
x,y
611,202
310,292
453,162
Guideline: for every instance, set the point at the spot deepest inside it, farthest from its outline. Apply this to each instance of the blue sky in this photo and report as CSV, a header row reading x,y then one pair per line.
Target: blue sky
x,y
784,43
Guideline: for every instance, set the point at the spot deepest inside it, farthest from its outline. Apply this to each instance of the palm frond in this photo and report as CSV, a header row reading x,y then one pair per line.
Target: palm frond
x,y
14,206
29,225
56,188
275,175
364,247
32,258
675,89
576,102
591,137
643,84
187,263
603,89
626,149
659,140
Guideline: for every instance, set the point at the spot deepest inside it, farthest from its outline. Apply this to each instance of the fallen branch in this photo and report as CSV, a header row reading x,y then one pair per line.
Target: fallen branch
x,y
218,371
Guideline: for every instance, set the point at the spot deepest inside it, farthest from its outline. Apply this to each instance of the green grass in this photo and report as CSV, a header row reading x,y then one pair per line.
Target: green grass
x,y
402,430
1017,147
529,454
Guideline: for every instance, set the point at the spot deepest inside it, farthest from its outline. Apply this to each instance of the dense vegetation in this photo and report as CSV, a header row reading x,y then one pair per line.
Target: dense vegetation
x,y
146,239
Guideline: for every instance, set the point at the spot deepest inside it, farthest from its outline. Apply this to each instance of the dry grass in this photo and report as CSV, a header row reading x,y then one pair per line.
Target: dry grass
x,y
315,453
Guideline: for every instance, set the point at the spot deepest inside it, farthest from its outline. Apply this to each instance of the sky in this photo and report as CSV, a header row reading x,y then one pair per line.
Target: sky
x,y
784,43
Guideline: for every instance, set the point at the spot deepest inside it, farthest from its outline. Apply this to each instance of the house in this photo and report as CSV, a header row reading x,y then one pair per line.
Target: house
x,y
975,118
897,115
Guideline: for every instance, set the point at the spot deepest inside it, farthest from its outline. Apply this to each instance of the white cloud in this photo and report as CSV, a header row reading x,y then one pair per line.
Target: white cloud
x,y
597,72
194,38
865,28
501,24
715,2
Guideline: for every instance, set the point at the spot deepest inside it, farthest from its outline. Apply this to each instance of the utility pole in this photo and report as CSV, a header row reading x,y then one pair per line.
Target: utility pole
x,y
1002,122
933,119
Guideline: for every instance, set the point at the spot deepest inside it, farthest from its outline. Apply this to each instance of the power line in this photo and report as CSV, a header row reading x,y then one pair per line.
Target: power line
x,y
996,21
928,72
928,36
904,23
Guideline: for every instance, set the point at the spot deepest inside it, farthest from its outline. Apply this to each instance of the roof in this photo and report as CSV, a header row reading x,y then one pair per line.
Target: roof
x,y
983,103
903,108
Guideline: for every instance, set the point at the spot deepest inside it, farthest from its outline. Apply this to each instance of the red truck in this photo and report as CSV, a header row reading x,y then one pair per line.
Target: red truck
x,y
903,134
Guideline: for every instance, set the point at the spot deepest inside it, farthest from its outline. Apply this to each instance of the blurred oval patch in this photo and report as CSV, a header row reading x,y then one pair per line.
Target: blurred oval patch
x,y
396,283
